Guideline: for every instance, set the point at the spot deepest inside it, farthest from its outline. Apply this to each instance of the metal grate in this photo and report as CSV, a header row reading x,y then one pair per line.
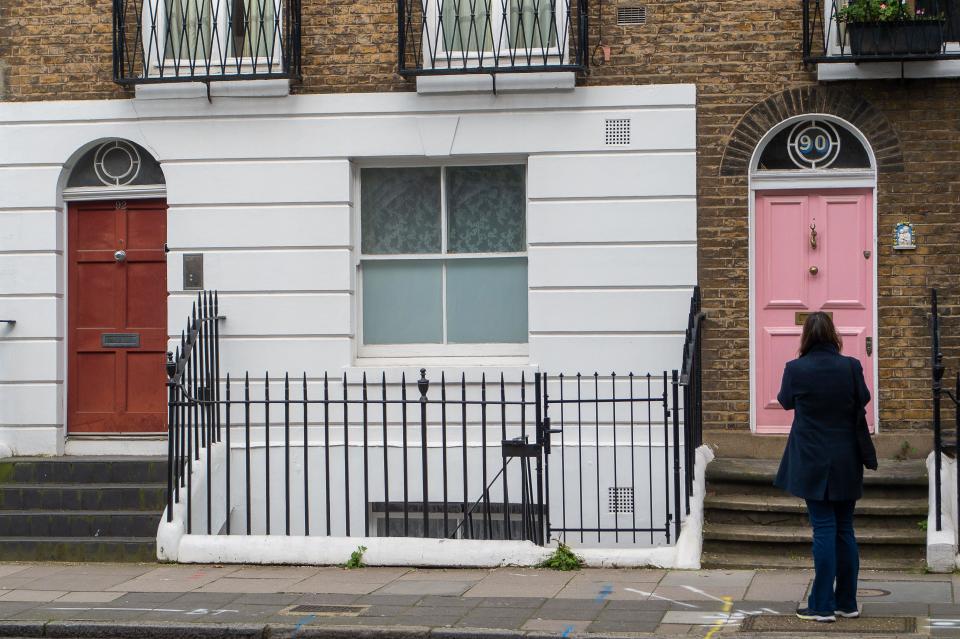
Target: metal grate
x,y
620,499
618,131
631,15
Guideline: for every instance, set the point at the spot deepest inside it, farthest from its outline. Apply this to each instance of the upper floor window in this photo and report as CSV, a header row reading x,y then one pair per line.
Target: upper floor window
x,y
491,35
206,39
443,266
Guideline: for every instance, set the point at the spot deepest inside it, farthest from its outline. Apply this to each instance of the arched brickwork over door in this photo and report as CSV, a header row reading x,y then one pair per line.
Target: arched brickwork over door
x,y
765,115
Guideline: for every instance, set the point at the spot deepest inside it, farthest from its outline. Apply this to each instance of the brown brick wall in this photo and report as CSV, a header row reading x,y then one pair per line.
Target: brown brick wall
x,y
737,52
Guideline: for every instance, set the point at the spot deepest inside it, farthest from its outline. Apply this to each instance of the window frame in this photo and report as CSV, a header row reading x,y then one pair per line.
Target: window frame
x,y
502,55
218,57
512,352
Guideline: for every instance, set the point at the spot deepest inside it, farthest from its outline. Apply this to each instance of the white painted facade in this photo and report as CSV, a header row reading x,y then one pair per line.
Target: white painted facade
x,y
266,189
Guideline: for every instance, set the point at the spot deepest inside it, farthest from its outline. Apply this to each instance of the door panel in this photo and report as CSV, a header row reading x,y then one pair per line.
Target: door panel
x,y
787,283
112,389
842,233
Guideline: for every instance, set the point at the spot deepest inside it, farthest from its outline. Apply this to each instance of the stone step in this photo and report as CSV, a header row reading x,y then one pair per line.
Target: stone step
x,y
83,470
78,523
125,549
867,506
44,496
790,511
912,472
772,554
804,535
732,560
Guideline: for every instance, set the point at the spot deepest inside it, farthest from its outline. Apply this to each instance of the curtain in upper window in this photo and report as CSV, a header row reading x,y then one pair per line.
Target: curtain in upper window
x,y
467,25
253,28
188,29
533,24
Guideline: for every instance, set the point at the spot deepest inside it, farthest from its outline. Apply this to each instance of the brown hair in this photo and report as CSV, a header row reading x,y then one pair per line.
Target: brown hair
x,y
818,329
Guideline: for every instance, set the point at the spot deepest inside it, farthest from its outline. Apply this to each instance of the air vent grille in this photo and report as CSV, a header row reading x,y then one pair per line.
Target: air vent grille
x,y
621,499
631,15
618,131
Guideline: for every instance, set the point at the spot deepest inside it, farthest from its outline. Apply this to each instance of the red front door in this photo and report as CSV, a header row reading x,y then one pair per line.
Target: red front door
x,y
117,295
796,275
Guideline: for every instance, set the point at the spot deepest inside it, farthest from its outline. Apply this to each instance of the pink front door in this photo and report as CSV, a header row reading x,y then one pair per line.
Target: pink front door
x,y
795,276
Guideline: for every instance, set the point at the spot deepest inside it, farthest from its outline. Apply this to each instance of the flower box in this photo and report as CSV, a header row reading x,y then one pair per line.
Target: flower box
x,y
900,37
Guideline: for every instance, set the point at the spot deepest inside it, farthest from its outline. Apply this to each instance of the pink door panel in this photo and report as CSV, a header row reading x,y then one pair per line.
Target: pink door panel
x,y
794,276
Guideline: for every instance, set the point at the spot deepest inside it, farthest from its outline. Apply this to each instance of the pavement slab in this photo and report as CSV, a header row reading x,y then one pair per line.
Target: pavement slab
x,y
174,578
505,603
89,597
32,595
250,585
424,587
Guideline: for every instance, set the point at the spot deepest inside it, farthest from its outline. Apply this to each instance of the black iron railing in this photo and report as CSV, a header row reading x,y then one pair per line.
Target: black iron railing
x,y
205,40
193,393
491,36
937,370
924,30
691,380
601,459
619,457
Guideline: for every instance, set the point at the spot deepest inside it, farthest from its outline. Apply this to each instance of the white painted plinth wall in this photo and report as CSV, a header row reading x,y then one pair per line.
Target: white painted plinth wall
x,y
264,188
174,545
942,544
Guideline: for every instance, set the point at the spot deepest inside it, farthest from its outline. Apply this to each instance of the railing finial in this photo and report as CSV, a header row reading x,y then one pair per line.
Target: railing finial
x,y
423,384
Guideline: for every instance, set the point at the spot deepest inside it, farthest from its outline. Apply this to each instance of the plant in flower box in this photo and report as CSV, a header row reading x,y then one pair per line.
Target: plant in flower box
x,y
891,28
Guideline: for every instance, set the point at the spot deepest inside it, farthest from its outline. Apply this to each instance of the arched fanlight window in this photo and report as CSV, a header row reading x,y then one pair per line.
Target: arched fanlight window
x,y
814,143
116,163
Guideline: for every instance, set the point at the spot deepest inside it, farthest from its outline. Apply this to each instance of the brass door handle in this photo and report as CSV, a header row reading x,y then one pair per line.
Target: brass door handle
x,y
814,270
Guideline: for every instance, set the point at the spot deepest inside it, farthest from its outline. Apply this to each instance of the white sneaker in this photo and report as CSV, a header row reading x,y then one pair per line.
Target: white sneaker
x,y
807,615
853,614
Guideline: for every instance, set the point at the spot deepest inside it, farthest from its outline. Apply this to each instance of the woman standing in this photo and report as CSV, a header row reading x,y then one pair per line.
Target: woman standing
x,y
824,458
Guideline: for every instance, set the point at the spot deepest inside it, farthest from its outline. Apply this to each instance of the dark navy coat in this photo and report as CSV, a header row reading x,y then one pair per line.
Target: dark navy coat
x,y
822,458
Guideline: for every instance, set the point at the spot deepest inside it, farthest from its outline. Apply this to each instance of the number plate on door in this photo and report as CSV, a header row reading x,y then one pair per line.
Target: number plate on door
x,y
120,340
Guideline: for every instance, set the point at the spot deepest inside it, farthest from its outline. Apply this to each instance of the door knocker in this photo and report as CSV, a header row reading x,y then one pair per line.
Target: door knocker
x,y
813,235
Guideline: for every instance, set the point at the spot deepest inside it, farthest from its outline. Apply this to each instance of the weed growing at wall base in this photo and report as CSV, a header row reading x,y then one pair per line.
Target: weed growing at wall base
x,y
356,558
562,559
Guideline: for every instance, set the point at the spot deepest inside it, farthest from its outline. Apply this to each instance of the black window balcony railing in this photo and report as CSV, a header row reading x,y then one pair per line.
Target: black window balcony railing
x,y
491,36
205,40
898,31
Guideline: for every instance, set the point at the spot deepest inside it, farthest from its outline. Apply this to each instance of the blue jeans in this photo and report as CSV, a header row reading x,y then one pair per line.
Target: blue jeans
x,y
835,556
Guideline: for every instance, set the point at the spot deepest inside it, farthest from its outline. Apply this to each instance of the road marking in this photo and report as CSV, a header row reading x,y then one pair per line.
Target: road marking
x,y
303,621
705,594
720,623
650,594
213,612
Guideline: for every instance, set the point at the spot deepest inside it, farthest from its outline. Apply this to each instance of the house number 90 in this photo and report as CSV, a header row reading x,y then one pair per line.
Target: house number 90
x,y
813,144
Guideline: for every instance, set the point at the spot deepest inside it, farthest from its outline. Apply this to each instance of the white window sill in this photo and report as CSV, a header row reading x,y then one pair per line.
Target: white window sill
x,y
218,89
505,82
885,70
451,367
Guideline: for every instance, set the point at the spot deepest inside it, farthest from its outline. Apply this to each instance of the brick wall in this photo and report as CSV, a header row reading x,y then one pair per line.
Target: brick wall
x,y
738,52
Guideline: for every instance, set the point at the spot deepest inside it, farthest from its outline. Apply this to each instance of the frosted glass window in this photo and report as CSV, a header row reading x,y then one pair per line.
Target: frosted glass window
x,y
402,302
487,300
486,207
401,211
443,259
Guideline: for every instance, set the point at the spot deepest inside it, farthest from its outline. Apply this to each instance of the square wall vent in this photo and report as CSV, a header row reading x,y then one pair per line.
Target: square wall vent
x,y
631,15
618,131
620,500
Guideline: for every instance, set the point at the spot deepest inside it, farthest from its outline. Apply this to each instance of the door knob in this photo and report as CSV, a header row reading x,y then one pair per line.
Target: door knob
x,y
120,256
814,270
